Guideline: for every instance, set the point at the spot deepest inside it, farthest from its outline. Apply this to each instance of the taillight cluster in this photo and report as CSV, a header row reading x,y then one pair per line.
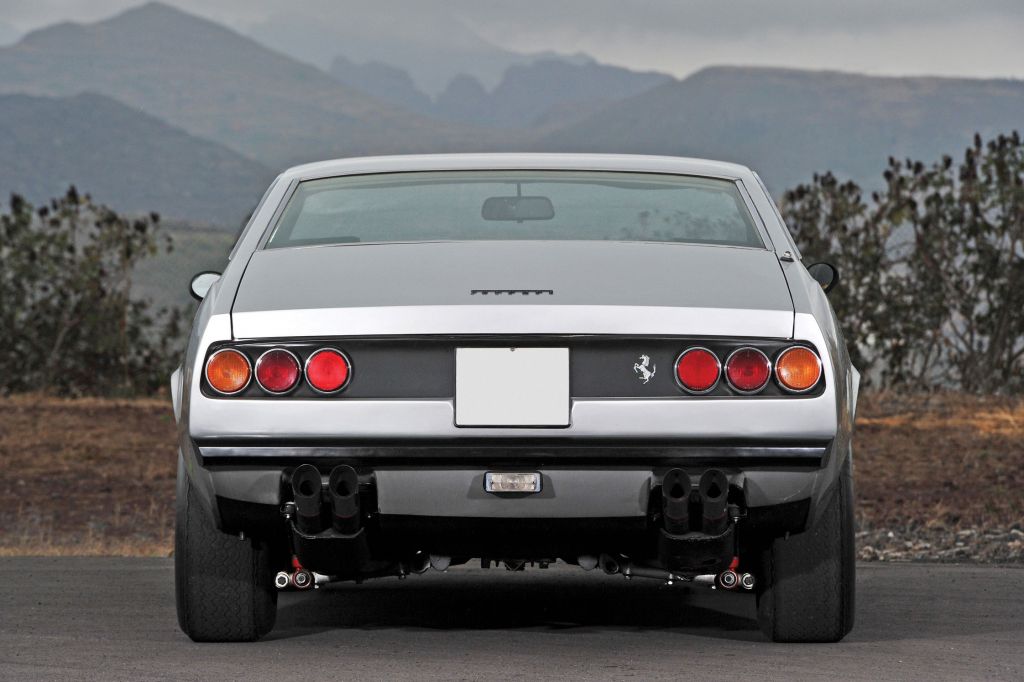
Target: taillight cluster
x,y
277,371
748,370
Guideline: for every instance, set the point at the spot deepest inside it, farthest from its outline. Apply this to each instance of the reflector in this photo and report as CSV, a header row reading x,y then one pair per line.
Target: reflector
x,y
328,370
747,370
798,369
228,371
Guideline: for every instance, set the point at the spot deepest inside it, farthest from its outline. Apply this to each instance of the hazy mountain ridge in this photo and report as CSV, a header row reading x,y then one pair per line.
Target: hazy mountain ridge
x,y
128,159
789,123
425,39
545,91
213,82
205,81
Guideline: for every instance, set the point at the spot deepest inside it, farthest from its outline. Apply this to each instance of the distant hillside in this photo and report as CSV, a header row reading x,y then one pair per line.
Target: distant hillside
x,y
789,123
122,157
427,40
213,82
544,92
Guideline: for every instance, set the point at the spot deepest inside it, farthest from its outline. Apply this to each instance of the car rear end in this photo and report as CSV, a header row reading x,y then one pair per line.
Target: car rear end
x,y
665,410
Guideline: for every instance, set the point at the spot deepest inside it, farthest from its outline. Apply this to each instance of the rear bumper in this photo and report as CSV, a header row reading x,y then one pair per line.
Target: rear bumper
x,y
581,481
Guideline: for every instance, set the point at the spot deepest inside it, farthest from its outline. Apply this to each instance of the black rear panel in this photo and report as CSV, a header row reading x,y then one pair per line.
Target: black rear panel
x,y
600,366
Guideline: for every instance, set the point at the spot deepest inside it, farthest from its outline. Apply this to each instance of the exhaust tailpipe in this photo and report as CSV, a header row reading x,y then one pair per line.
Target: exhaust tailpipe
x,y
609,564
343,488
282,580
675,501
747,581
714,494
308,490
302,579
728,579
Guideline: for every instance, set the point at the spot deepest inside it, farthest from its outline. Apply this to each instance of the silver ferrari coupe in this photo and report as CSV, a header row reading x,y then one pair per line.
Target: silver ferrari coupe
x,y
616,362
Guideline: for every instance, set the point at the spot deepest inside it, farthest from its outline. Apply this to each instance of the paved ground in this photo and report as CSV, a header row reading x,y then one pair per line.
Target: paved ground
x,y
84,618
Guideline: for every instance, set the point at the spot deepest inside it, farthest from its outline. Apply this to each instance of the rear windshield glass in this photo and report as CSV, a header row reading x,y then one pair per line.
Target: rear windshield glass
x,y
515,205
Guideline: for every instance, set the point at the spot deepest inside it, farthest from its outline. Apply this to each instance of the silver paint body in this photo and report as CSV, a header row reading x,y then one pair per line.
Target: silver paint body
x,y
621,288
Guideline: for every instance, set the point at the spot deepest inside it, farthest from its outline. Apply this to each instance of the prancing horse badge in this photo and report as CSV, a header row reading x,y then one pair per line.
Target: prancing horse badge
x,y
644,369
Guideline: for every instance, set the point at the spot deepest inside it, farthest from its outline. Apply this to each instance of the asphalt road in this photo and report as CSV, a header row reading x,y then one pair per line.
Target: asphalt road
x,y
83,618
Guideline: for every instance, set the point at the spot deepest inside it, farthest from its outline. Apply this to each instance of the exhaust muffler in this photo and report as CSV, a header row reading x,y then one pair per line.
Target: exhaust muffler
x,y
343,488
714,494
307,487
675,501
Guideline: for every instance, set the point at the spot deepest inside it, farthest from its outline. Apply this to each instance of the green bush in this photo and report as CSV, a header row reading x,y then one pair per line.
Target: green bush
x,y
68,323
932,267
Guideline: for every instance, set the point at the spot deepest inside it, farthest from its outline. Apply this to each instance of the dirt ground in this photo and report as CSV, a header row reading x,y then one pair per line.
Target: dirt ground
x,y
938,477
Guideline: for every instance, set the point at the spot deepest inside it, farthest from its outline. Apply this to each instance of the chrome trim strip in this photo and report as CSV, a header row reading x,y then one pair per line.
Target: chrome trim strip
x,y
422,450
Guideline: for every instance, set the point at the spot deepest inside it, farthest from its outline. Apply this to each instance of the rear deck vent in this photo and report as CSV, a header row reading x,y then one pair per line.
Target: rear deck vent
x,y
512,292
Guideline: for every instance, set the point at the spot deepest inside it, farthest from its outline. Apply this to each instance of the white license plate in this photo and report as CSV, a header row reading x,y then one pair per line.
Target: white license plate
x,y
511,386
505,482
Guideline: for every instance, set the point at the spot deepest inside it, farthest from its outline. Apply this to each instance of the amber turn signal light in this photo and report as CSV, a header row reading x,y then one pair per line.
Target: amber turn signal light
x,y
798,369
228,371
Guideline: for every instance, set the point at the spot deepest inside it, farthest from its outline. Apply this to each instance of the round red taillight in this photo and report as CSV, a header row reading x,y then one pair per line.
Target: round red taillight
x,y
698,369
747,370
797,369
228,371
277,371
328,370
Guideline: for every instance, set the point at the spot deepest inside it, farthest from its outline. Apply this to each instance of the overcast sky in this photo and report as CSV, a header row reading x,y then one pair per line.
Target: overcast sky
x,y
942,37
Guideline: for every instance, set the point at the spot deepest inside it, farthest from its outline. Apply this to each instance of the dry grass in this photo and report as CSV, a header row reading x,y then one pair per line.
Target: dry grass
x,y
96,477
86,477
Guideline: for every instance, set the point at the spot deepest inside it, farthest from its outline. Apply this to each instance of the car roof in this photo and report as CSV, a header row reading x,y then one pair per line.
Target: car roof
x,y
458,162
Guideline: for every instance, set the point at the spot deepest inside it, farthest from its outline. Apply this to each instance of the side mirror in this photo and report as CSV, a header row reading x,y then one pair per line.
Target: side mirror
x,y
825,274
201,284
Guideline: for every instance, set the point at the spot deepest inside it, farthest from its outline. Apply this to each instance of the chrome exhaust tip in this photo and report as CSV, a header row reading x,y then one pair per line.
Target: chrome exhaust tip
x,y
728,579
282,580
302,579
747,581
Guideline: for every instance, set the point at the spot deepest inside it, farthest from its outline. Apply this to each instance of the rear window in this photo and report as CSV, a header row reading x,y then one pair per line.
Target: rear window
x,y
515,205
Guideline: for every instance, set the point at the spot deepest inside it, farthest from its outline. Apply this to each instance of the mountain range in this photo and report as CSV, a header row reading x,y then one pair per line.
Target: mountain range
x,y
158,109
788,123
122,157
542,93
214,83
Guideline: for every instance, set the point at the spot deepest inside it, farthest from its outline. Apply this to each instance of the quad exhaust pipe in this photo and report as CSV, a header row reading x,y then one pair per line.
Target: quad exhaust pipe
x,y
308,488
714,495
343,487
676,489
342,494
675,501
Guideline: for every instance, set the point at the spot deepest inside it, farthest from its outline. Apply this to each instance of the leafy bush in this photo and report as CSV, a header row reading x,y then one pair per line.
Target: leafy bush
x,y
68,323
932,291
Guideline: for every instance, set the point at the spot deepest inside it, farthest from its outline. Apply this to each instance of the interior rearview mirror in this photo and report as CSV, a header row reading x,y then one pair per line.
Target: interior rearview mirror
x,y
825,274
517,208
201,284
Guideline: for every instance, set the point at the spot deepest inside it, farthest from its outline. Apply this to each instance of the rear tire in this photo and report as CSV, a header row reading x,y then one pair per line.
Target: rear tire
x,y
223,584
808,578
